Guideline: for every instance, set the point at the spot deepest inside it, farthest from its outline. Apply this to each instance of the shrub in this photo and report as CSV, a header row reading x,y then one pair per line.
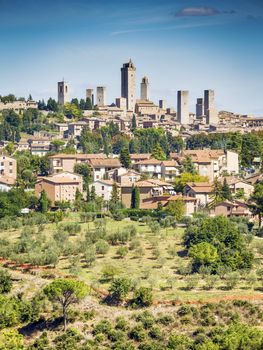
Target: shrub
x,y
232,280
155,333
90,255
137,333
5,282
102,247
143,297
192,281
119,289
110,271
122,252
211,281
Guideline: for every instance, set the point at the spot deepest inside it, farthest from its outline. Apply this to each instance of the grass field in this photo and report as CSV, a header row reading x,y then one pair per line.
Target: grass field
x,y
150,264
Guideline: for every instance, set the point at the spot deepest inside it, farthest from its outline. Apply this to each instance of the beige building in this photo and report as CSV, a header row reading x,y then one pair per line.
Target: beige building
x,y
231,208
103,188
238,185
146,107
66,162
169,169
151,167
60,187
101,166
8,167
213,163
152,203
18,106
201,191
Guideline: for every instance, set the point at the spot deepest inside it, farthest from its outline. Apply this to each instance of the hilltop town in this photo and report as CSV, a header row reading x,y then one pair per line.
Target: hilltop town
x,y
129,225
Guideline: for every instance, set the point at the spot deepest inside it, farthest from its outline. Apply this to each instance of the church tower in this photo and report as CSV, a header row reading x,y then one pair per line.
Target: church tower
x,y
63,92
128,84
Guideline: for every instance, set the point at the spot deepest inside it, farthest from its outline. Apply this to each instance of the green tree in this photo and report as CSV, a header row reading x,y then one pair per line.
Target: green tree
x,y
88,104
184,178
143,297
10,339
135,198
125,157
158,152
225,236
65,292
134,123
177,209
217,195
257,201
120,288
226,192
85,170
188,166
203,254
5,281
43,202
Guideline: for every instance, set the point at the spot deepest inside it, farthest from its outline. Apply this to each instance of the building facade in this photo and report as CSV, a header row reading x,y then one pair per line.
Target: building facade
x,y
63,92
183,107
145,87
128,84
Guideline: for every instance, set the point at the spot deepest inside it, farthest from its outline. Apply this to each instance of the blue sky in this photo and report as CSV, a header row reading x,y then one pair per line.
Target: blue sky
x,y
178,44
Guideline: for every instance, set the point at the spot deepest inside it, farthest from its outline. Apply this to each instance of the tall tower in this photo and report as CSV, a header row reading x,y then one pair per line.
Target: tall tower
x,y
128,84
199,107
209,107
162,104
101,96
90,95
63,92
145,88
183,107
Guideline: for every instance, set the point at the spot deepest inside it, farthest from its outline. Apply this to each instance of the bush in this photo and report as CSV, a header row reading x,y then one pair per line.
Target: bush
x,y
102,247
192,282
137,333
119,289
5,282
211,281
143,297
232,280
90,255
122,252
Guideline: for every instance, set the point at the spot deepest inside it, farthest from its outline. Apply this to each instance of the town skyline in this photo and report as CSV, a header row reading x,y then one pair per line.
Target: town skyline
x,y
178,45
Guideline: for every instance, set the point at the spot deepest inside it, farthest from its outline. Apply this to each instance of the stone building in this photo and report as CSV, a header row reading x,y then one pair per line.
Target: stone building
x,y
128,84
183,107
90,95
209,107
63,92
101,96
145,89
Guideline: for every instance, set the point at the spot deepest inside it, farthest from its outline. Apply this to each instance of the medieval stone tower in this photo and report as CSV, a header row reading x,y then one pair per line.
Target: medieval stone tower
x,y
63,92
128,84
145,89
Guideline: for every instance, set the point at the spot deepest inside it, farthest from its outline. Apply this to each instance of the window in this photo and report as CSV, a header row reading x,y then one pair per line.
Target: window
x,y
11,163
102,187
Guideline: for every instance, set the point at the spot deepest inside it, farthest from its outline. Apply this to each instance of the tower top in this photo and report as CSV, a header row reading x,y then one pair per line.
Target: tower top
x,y
130,64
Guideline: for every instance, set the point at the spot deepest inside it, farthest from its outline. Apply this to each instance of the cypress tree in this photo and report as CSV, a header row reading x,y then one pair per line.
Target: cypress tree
x,y
226,192
125,157
135,198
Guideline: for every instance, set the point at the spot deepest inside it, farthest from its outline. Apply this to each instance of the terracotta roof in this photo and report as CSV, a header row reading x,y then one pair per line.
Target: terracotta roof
x,y
169,163
107,182
231,180
158,182
136,156
150,161
201,187
106,162
203,156
60,180
181,198
79,156
138,184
